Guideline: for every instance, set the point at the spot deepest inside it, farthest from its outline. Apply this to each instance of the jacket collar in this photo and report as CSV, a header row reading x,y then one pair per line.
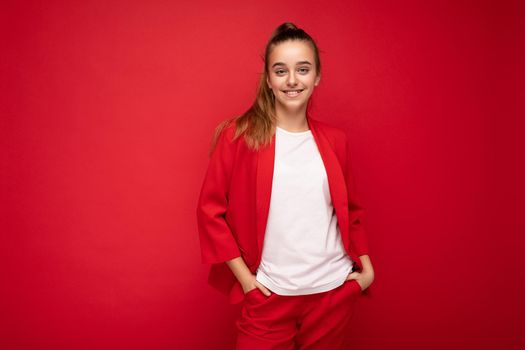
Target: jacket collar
x,y
264,177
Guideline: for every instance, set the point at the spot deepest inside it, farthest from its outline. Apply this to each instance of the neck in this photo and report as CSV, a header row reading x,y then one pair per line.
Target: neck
x,y
291,120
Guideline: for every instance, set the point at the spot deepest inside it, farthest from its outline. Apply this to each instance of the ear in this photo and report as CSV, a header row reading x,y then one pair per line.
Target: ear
x,y
268,82
317,79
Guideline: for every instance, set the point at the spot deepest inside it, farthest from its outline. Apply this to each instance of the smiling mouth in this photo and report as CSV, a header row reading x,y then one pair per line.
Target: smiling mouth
x,y
292,93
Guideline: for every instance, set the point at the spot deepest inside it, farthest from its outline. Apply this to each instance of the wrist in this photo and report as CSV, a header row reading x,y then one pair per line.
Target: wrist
x,y
366,264
246,280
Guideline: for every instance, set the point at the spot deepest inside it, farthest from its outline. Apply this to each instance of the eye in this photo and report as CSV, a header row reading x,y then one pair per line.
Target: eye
x,y
304,70
279,71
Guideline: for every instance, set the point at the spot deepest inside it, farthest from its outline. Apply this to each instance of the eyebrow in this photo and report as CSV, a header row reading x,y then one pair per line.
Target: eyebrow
x,y
282,64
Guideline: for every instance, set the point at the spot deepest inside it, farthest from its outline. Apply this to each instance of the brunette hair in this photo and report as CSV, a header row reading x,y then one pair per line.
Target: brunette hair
x,y
257,123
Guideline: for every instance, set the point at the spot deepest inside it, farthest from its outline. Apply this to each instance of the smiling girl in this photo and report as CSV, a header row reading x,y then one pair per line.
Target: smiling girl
x,y
278,214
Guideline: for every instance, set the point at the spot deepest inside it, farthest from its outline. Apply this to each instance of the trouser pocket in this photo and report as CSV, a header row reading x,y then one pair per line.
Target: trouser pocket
x,y
358,286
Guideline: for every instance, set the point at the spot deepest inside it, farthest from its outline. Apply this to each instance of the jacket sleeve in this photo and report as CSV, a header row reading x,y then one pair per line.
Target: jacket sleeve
x,y
356,212
216,239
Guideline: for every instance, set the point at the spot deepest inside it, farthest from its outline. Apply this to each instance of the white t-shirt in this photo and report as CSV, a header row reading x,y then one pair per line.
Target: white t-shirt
x,y
303,251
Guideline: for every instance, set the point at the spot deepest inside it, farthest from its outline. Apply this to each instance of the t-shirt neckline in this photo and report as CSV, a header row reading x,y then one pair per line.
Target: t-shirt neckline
x,y
292,132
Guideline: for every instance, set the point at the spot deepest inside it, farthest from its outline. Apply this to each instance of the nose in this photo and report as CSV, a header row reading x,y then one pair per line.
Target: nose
x,y
291,79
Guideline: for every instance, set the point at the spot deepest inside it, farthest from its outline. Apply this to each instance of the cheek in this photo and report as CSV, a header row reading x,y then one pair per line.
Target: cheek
x,y
277,82
311,81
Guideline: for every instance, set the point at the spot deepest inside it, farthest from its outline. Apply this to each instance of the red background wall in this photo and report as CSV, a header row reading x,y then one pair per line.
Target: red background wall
x,y
107,113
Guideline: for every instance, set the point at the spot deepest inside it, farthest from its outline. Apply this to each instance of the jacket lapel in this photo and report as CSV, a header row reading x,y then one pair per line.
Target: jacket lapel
x,y
263,191
265,167
336,179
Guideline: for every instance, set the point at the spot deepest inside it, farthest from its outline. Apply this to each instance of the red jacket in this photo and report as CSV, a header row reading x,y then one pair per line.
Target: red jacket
x,y
234,201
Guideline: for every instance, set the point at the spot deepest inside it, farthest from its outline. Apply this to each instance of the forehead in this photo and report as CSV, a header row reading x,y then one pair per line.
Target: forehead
x,y
290,52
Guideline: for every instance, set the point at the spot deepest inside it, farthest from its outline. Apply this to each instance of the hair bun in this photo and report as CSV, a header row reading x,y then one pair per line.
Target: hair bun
x,y
286,26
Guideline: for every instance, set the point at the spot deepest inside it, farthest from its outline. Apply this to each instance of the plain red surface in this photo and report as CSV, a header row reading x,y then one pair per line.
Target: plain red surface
x,y
107,111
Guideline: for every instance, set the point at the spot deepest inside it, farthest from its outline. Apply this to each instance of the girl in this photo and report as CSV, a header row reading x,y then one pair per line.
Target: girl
x,y
278,215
